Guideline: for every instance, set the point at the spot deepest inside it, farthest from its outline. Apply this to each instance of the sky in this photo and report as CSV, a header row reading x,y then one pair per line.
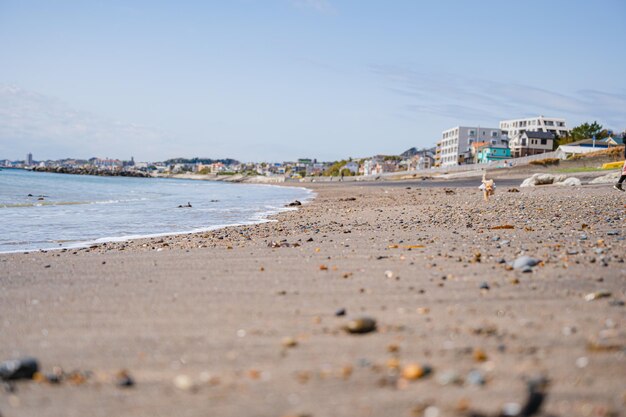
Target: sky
x,y
275,80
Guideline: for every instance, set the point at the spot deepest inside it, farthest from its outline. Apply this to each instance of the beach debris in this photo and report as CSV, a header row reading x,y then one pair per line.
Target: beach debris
x,y
414,371
123,379
289,342
24,368
360,325
449,192
513,190
597,295
188,205
504,226
524,262
294,203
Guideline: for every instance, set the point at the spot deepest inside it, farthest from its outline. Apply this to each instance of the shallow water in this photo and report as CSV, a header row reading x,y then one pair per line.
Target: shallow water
x,y
46,211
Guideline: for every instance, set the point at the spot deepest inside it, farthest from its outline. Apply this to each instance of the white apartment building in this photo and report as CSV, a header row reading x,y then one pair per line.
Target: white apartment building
x,y
515,128
454,147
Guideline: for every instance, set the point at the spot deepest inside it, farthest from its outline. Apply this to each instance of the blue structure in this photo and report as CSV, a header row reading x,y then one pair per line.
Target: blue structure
x,y
489,153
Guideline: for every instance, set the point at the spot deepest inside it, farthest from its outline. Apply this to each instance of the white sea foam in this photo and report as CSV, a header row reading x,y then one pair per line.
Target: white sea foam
x,y
80,210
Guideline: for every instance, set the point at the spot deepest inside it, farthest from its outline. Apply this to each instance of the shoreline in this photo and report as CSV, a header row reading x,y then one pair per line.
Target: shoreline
x,y
215,308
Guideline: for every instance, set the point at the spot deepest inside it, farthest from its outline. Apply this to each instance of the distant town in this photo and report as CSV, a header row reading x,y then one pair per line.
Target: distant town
x,y
512,142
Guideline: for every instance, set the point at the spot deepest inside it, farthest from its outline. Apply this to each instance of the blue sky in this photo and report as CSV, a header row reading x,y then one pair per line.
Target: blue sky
x,y
282,79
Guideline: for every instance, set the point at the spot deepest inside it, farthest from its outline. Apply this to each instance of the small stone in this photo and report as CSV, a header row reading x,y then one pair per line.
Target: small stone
x,y
484,285
183,382
525,261
123,379
289,342
476,377
597,295
612,233
393,348
361,325
479,355
15,369
582,362
415,371
389,274
340,312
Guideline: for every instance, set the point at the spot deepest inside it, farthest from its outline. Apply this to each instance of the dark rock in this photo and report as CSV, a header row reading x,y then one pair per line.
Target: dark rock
x,y
294,204
124,380
340,312
23,368
484,285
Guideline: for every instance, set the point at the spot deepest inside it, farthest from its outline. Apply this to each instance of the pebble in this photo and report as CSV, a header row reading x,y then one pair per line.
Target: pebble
x,y
340,312
361,325
597,295
525,262
183,382
24,368
289,342
124,380
475,377
414,371
484,285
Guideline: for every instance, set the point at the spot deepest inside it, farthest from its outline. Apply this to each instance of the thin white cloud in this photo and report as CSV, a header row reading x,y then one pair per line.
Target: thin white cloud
x,y
471,100
33,122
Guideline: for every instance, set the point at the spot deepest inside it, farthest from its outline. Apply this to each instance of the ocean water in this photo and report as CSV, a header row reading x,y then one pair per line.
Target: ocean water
x,y
51,211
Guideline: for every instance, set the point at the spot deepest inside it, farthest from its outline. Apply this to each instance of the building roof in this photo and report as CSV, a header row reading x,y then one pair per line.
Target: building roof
x,y
539,135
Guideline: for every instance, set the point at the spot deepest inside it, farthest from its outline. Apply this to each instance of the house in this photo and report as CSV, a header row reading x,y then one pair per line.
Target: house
x,y
588,145
491,152
514,129
532,143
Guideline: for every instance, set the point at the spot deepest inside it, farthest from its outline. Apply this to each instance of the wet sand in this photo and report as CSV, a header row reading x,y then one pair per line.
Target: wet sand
x,y
200,321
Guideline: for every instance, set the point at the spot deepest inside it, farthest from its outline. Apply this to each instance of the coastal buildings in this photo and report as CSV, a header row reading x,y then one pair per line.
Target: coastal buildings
x,y
515,128
29,159
533,143
454,147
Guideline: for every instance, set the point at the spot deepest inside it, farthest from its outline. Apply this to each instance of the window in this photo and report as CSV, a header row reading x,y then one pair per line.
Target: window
x,y
471,132
544,141
523,141
494,134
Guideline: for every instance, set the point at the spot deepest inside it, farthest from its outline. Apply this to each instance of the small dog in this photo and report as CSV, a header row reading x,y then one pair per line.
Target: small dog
x,y
488,187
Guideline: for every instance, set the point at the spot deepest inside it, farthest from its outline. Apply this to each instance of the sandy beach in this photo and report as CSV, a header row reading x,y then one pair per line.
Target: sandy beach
x,y
246,321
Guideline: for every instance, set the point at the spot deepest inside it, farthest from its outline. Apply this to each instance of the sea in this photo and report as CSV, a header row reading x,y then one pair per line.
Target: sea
x,y
43,211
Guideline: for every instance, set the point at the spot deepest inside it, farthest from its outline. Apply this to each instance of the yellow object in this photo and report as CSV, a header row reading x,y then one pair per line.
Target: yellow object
x,y
613,165
412,372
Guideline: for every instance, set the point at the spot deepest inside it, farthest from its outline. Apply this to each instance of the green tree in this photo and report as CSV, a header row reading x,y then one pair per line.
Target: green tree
x,y
587,131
